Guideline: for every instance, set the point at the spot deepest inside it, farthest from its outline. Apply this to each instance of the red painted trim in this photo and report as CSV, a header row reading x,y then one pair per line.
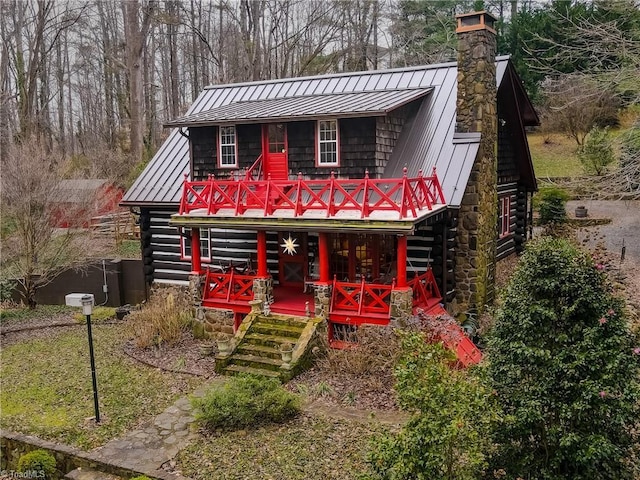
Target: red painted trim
x,y
196,266
323,253
262,254
505,216
402,261
405,196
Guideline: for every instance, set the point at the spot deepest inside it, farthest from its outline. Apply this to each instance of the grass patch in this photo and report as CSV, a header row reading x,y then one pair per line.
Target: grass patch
x,y
558,158
129,249
308,447
10,315
46,387
98,314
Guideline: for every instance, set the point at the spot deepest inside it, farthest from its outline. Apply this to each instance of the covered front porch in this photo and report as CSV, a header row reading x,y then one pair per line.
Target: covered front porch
x,y
341,253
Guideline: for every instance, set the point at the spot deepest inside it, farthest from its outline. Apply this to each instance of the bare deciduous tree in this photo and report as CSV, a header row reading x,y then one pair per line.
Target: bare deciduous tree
x,y
34,250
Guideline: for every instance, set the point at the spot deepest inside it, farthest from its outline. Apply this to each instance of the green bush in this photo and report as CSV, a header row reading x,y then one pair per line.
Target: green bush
x,y
140,477
448,436
565,368
37,461
597,151
6,289
246,400
552,203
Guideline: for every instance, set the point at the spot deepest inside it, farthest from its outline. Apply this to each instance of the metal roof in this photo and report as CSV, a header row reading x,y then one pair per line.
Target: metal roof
x,y
427,141
360,104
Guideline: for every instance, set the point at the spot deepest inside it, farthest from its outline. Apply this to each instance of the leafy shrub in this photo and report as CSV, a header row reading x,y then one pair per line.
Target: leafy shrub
x,y
162,320
564,365
6,289
597,151
141,477
552,203
448,434
37,461
245,400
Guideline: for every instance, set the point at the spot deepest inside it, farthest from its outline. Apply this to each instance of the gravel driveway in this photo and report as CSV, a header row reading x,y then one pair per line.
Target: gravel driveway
x,y
624,228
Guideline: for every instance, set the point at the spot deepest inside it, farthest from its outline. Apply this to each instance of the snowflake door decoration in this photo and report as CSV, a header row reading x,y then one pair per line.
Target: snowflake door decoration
x,y
289,246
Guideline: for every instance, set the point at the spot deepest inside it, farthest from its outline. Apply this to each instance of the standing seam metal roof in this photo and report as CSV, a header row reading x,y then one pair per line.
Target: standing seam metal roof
x,y
428,141
377,102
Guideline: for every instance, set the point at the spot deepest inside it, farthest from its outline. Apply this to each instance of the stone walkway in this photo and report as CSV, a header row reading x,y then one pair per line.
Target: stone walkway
x,y
149,448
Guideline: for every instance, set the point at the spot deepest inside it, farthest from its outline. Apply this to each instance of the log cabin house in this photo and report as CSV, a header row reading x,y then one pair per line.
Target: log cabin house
x,y
354,197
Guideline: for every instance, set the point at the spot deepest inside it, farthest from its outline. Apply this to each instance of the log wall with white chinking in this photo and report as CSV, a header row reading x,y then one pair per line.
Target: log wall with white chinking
x,y
162,252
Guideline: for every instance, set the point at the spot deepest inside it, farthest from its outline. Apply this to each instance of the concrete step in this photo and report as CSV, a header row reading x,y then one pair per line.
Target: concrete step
x,y
258,350
266,340
283,330
279,319
90,474
233,369
255,361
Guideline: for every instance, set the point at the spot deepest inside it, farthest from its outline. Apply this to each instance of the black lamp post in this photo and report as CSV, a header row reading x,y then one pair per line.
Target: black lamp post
x,y
86,301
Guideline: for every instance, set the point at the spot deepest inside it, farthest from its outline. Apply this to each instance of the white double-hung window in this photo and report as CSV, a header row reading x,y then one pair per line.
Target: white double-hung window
x,y
228,148
328,143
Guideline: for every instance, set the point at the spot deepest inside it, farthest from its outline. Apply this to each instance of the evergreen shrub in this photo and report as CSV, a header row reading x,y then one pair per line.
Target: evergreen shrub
x,y
36,462
246,400
565,366
552,204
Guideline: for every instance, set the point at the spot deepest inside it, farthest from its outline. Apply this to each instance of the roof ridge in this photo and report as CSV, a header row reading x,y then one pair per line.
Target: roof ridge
x,y
325,76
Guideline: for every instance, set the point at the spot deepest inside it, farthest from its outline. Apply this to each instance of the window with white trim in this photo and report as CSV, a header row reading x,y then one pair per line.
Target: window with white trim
x,y
504,216
227,150
205,244
328,143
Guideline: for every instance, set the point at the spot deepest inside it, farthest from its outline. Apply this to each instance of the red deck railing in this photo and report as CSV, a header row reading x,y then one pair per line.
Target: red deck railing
x,y
230,288
405,196
358,303
425,291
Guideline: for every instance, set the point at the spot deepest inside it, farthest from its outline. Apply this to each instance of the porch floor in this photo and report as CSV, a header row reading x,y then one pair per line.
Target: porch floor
x,y
291,301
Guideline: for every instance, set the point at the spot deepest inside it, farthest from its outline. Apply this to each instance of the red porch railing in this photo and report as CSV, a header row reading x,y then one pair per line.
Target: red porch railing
x,y
229,288
405,196
425,291
358,303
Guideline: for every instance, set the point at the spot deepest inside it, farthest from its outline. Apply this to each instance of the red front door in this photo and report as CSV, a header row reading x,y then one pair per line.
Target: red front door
x,y
274,151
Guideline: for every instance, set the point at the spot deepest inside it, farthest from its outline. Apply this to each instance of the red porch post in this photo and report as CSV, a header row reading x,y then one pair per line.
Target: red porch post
x,y
323,253
402,261
262,254
196,266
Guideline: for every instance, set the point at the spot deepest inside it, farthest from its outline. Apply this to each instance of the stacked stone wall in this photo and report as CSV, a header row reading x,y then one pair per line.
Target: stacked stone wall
x,y
478,215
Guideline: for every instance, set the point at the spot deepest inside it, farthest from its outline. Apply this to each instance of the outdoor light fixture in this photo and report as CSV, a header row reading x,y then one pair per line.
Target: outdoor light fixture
x,y
86,301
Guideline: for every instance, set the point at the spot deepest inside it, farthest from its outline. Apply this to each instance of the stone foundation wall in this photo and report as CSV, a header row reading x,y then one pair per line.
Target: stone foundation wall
x,y
263,289
322,300
196,284
210,322
401,304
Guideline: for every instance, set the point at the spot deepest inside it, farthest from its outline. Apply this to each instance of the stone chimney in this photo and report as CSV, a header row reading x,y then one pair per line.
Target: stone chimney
x,y
477,112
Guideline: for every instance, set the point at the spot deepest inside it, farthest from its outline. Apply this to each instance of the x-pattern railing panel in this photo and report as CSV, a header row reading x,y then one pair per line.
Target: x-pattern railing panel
x,y
361,298
406,196
231,287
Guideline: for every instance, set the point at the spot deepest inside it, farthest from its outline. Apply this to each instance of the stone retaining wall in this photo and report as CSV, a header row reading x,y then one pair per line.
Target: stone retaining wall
x,y
14,445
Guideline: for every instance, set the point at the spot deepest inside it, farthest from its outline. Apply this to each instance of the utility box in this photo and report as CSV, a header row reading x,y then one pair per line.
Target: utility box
x,y
79,299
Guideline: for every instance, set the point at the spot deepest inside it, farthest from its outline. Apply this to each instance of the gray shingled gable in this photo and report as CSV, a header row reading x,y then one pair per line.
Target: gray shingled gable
x,y
426,142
